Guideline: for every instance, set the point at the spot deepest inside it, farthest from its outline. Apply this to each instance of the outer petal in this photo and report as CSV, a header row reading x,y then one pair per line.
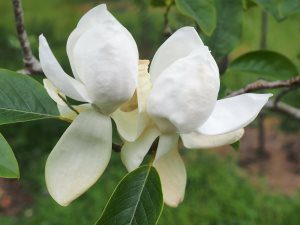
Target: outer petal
x,y
80,157
106,60
166,143
179,45
195,140
53,71
133,153
95,16
171,170
131,123
184,95
233,113
54,93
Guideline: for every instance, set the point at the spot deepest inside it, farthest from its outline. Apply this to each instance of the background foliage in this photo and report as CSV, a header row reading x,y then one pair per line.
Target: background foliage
x,y
218,193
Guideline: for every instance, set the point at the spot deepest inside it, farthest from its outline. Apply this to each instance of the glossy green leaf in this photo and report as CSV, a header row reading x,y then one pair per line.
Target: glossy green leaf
x,y
265,63
23,99
202,11
280,9
136,200
8,164
228,29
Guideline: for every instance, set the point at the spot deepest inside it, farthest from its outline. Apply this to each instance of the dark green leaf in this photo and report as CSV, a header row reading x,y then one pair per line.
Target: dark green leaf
x,y
136,200
229,27
23,99
236,145
202,11
289,7
8,164
265,63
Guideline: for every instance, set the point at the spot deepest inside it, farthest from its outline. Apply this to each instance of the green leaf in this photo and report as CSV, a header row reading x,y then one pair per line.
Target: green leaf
x,y
202,11
23,99
280,9
236,145
136,200
228,30
8,164
265,63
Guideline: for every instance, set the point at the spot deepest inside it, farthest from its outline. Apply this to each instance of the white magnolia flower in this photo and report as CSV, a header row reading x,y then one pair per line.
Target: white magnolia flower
x,y
104,60
181,101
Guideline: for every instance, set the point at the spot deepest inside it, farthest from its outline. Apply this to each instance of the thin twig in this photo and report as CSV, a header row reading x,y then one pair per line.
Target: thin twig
x,y
284,108
31,64
263,85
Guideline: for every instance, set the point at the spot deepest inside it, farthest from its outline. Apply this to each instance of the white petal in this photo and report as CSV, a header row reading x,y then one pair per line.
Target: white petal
x,y
133,153
69,114
184,95
195,140
106,60
53,71
80,157
54,93
166,143
233,113
179,45
130,124
93,17
171,170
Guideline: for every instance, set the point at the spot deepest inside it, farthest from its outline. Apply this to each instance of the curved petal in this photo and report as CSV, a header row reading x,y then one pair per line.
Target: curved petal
x,y
233,113
131,123
179,45
106,60
172,173
80,157
184,95
133,153
93,17
53,71
199,141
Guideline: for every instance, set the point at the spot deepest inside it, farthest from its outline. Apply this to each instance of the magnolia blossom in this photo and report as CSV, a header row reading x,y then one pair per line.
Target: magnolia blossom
x,y
104,60
179,100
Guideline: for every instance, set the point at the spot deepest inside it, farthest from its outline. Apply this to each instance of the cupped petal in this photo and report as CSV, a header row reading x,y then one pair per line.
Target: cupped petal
x,y
199,141
80,157
233,113
184,95
133,153
132,118
93,17
179,45
172,173
106,60
53,71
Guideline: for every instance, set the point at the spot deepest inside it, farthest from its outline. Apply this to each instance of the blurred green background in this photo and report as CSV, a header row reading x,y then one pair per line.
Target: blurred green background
x,y
218,192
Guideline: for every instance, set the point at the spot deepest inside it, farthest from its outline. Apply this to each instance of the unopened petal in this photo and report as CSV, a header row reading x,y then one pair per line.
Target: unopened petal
x,y
133,153
179,45
53,71
93,17
233,113
172,173
184,95
80,157
199,141
106,60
